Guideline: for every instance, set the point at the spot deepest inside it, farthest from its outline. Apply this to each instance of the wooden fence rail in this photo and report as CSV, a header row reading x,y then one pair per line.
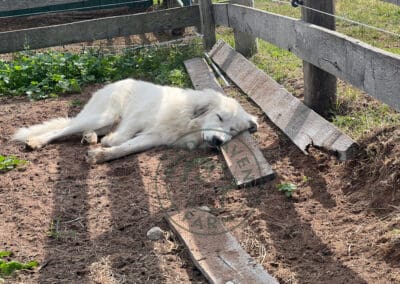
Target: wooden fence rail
x,y
10,5
396,2
370,69
99,29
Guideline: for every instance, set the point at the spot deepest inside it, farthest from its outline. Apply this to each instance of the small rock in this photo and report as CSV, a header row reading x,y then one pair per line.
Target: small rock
x,y
204,208
155,233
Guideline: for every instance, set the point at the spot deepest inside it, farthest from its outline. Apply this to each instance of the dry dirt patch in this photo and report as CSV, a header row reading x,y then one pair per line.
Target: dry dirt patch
x,y
88,224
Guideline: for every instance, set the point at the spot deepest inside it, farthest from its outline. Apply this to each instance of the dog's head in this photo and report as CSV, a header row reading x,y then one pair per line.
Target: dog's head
x,y
222,119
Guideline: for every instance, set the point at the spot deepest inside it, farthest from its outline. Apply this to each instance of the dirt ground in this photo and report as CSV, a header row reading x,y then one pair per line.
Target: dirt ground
x,y
88,224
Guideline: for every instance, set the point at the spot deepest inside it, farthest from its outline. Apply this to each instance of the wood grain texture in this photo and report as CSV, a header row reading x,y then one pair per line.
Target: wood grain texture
x,y
207,23
370,69
396,2
11,5
242,155
218,256
245,43
301,124
103,28
319,86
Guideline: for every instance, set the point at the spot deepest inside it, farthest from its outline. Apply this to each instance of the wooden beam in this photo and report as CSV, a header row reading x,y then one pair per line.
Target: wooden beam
x,y
396,2
242,155
11,5
207,23
96,29
319,86
301,124
214,251
375,71
245,43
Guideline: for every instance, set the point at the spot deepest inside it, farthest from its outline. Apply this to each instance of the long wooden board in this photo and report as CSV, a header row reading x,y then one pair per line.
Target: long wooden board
x,y
242,155
10,5
301,124
217,255
96,29
396,2
373,70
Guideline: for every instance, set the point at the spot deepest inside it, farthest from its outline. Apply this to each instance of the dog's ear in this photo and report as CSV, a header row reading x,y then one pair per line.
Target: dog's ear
x,y
200,110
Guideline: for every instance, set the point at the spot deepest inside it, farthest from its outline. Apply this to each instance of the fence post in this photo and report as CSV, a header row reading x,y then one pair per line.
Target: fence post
x,y
244,43
319,86
207,23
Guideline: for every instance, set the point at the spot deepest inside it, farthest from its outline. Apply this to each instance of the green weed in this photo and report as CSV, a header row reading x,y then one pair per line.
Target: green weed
x,y
287,188
45,74
9,267
76,103
7,163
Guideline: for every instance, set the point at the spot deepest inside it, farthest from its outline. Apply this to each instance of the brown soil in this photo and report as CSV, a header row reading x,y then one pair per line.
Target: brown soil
x,y
88,224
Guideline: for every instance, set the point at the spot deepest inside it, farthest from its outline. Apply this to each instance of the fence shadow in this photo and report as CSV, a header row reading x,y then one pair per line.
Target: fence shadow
x,y
97,232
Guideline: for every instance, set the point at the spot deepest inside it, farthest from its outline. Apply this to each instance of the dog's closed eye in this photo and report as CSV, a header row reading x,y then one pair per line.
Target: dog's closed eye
x,y
200,111
220,118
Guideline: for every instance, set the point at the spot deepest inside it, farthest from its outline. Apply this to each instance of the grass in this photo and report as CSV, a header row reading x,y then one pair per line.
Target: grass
x,y
41,75
7,268
287,188
7,163
356,113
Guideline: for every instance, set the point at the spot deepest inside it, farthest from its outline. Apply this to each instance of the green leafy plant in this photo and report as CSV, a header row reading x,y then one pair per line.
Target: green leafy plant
x,y
287,188
9,267
76,103
41,75
7,163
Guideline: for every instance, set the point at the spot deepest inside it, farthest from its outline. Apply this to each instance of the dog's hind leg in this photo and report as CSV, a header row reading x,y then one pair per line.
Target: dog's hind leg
x,y
77,125
124,132
137,144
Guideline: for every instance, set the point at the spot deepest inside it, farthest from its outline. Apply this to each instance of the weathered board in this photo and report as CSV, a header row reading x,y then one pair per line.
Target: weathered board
x,y
96,29
217,255
244,43
301,124
320,87
242,155
373,70
207,23
10,5
396,2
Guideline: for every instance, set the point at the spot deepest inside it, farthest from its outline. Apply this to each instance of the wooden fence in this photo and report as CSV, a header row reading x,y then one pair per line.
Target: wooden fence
x,y
22,7
370,69
396,2
96,29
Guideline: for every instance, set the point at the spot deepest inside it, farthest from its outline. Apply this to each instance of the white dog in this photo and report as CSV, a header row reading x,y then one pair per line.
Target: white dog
x,y
145,115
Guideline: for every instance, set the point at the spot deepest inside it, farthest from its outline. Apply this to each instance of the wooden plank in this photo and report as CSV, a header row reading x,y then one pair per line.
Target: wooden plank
x,y
207,23
217,255
301,124
242,155
370,69
319,86
245,43
103,28
11,5
396,2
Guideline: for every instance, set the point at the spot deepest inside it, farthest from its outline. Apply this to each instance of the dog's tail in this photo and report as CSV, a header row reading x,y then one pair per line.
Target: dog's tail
x,y
24,133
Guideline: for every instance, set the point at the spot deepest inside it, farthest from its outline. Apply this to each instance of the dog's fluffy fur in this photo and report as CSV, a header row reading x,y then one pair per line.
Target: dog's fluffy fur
x,y
146,115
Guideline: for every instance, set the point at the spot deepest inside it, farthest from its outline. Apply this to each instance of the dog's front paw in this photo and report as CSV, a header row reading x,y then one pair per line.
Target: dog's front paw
x,y
89,137
34,143
96,156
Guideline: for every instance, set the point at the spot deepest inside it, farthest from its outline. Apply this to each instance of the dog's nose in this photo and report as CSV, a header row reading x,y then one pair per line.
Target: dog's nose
x,y
216,141
252,127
